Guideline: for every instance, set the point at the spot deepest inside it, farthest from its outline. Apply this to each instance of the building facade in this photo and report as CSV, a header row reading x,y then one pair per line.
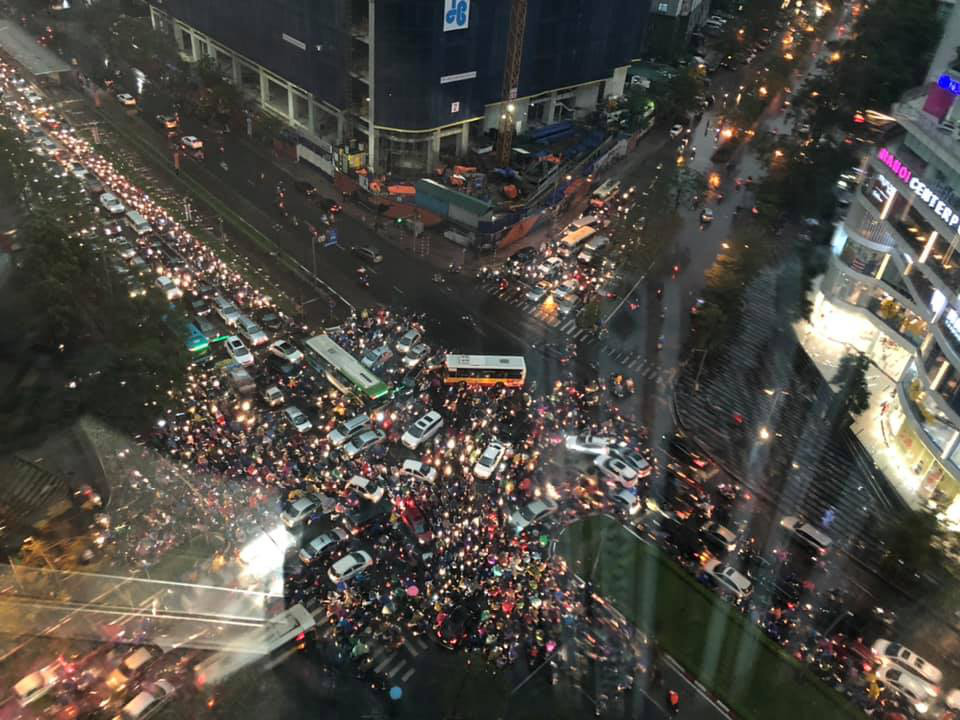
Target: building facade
x,y
896,264
672,22
410,79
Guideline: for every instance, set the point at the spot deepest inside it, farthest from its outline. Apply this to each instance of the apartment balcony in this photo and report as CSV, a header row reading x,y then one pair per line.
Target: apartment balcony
x,y
941,139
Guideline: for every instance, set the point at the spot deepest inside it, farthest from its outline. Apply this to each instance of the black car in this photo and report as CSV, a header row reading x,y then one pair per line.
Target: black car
x,y
198,306
305,187
368,516
271,321
368,253
455,628
328,205
282,367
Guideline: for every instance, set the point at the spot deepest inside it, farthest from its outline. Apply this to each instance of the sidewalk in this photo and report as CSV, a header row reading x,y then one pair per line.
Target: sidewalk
x,y
834,332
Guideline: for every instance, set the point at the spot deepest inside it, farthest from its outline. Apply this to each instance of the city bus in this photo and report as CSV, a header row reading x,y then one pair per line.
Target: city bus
x,y
343,370
572,240
197,342
509,370
270,643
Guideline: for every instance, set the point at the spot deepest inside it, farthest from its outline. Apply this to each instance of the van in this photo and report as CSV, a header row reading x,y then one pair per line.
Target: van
x,y
226,310
422,430
347,429
138,223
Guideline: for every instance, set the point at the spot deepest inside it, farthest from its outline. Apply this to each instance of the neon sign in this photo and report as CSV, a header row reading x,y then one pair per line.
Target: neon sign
x,y
919,188
949,84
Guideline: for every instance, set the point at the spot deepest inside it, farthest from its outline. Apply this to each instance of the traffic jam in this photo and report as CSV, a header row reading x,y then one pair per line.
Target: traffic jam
x,y
414,490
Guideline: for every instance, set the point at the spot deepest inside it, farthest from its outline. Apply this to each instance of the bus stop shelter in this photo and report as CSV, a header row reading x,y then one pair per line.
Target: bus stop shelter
x,y
39,61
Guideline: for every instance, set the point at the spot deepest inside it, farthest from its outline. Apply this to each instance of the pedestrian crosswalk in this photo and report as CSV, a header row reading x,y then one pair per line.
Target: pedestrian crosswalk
x,y
396,663
630,360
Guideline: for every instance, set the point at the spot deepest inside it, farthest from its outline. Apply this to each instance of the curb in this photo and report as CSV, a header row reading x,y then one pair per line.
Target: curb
x,y
701,688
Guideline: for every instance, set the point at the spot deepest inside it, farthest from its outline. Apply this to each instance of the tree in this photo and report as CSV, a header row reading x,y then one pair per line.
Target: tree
x,y
589,317
853,396
914,545
677,97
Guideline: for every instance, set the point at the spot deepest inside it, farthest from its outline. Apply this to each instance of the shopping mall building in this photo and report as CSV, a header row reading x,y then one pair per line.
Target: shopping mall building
x,y
891,289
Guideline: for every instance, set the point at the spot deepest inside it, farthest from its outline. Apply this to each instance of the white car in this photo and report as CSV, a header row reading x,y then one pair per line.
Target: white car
x,y
706,216
132,663
126,250
721,536
285,350
634,459
363,442
416,355
807,534
126,99
916,690
192,142
300,510
110,203
567,305
486,466
37,684
532,513
588,444
422,430
349,566
418,470
322,544
407,341
887,651
616,470
295,416
539,291
147,702
169,288
238,351
365,488
253,333
627,500
730,580
273,396
676,131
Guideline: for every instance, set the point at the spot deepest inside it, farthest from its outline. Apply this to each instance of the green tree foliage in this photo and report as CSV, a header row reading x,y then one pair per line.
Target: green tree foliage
x,y
853,395
72,341
676,98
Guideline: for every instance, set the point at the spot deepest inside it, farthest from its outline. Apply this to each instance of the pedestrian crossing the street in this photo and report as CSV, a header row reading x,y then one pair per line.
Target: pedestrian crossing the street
x,y
397,665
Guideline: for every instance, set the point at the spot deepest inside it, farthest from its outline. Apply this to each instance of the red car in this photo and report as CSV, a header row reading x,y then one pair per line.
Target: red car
x,y
416,522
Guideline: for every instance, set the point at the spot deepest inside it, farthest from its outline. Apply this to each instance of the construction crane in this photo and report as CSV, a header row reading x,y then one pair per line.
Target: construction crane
x,y
511,78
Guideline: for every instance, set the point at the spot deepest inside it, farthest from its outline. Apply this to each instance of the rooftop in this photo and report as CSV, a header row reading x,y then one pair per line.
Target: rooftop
x,y
37,59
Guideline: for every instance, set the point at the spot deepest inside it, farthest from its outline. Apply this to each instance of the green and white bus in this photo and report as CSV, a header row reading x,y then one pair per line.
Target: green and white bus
x,y
343,370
